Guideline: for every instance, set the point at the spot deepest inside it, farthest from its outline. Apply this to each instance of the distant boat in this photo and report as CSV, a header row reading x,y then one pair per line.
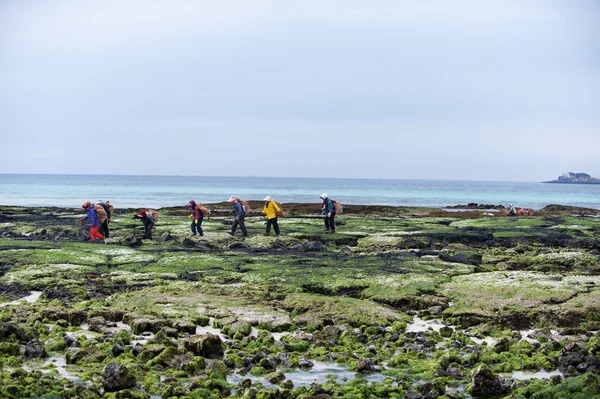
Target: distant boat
x,y
575,178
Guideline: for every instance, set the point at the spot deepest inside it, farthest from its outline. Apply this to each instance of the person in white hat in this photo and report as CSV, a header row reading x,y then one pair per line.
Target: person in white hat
x,y
329,211
271,210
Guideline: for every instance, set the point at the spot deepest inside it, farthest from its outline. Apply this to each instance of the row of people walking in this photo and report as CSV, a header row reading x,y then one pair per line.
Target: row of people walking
x,y
100,213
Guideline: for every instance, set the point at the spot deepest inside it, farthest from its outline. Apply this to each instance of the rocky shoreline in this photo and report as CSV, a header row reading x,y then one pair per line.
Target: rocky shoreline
x,y
401,302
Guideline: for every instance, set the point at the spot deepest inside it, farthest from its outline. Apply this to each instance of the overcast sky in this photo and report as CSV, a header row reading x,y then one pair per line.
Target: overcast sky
x,y
492,90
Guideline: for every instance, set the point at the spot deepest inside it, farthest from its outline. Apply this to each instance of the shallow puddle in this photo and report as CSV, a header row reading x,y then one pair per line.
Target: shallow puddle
x,y
319,373
31,298
420,325
57,363
540,375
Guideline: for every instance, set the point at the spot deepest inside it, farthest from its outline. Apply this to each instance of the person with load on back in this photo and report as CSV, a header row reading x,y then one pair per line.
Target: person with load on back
x,y
94,220
328,208
108,208
271,210
148,221
240,215
198,217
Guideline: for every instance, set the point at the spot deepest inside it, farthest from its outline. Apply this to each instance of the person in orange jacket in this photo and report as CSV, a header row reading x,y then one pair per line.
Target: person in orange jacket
x,y
94,221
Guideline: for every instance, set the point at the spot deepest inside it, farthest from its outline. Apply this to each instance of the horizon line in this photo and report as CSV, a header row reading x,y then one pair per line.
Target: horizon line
x,y
268,177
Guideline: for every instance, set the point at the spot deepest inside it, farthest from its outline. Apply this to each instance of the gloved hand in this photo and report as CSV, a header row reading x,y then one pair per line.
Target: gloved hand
x,y
149,228
196,221
190,216
107,220
82,219
263,214
329,215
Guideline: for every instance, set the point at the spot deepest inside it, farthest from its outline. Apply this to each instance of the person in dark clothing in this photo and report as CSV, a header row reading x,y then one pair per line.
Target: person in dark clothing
x,y
148,223
104,227
198,217
329,212
240,215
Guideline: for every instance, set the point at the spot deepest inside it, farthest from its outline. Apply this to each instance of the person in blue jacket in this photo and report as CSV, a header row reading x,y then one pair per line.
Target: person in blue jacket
x,y
95,222
329,211
240,215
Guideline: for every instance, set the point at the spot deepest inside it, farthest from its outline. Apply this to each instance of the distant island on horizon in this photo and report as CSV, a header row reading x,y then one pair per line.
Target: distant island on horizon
x,y
575,178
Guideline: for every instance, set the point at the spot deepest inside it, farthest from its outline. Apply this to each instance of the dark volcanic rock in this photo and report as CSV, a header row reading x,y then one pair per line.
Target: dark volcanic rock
x,y
35,350
117,349
209,346
71,341
314,246
7,329
97,323
472,259
138,326
484,382
116,376
238,245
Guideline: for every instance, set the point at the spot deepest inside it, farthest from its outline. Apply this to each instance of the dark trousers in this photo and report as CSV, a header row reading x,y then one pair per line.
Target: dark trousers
x,y
148,228
197,226
239,221
275,226
330,222
105,228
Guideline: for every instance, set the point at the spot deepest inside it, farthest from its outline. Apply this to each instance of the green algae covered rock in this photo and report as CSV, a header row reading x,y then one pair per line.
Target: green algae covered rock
x,y
208,346
276,377
9,349
85,355
138,326
484,382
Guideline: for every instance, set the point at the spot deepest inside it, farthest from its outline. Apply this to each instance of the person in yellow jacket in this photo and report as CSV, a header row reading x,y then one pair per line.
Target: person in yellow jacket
x,y
270,211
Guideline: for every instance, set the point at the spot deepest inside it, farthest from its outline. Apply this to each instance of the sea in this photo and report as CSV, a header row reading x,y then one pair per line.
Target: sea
x,y
164,191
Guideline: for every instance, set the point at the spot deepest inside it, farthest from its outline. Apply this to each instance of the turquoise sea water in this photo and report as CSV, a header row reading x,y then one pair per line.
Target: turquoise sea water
x,y
160,191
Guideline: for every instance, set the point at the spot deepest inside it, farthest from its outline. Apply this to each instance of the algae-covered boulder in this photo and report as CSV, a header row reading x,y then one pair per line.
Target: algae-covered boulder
x,y
9,349
116,376
185,326
276,377
97,323
366,366
7,329
35,350
85,355
150,351
209,346
485,382
139,326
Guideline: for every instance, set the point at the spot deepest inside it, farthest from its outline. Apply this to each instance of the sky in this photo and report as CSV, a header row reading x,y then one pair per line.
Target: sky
x,y
461,90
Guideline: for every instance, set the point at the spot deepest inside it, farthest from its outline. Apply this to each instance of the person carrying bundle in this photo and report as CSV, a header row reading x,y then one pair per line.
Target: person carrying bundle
x,y
149,218
198,212
240,216
271,211
328,208
95,222
104,212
